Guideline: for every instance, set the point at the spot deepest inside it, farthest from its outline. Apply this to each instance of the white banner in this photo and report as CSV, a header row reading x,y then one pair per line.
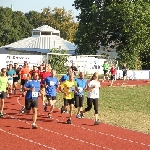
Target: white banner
x,y
7,59
135,74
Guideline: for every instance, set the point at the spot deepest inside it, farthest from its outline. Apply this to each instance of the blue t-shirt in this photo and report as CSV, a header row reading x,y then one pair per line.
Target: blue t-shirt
x,y
64,78
32,84
81,84
10,74
52,83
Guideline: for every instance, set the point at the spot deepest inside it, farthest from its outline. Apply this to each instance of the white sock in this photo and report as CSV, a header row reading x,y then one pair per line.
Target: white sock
x,y
33,124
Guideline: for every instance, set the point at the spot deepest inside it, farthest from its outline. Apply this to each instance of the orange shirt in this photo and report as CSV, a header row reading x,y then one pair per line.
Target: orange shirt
x,y
25,73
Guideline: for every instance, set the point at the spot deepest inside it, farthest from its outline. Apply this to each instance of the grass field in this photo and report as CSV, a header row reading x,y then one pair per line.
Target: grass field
x,y
127,107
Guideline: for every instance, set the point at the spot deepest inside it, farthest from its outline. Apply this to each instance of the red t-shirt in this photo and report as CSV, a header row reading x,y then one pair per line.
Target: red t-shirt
x,y
32,71
43,75
113,71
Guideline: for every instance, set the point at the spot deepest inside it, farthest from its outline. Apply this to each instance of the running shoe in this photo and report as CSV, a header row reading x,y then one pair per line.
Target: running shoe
x,y
1,115
61,110
66,111
97,122
45,107
15,92
78,116
69,121
49,115
82,114
22,110
34,126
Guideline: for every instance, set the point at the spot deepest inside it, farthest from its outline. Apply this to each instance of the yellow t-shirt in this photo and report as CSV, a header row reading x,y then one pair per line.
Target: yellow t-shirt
x,y
3,83
69,88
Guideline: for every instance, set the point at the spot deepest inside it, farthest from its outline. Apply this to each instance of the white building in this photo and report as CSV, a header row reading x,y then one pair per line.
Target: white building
x,y
42,40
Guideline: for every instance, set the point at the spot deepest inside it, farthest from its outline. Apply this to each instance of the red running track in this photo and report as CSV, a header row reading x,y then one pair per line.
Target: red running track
x,y
16,132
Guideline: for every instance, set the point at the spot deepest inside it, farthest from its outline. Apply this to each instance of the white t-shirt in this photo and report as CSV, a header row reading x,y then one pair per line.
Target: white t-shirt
x,y
94,93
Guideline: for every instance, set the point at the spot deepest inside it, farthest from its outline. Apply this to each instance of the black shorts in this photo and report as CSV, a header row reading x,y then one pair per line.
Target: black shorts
x,y
50,97
105,72
31,103
23,82
15,79
112,77
68,101
78,101
3,95
124,74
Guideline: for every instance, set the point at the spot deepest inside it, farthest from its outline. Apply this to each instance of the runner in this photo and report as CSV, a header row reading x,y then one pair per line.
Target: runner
x,y
113,73
124,70
64,78
10,74
79,96
35,69
17,77
51,84
69,87
24,74
43,74
3,85
31,99
93,97
106,71
74,69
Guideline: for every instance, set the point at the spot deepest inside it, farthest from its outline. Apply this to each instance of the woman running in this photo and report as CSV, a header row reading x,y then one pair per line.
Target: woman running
x,y
93,96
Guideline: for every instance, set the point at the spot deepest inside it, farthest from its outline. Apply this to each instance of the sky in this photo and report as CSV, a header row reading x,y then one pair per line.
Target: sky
x,y
38,5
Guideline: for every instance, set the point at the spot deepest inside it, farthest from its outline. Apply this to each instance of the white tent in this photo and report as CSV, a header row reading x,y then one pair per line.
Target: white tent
x,y
43,38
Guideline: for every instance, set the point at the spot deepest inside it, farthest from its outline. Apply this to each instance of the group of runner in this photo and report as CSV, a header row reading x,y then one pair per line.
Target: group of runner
x,y
41,82
110,72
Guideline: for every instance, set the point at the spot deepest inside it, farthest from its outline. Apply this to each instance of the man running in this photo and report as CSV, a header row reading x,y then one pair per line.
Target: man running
x,y
63,79
124,70
113,73
43,74
24,74
31,98
3,85
17,77
35,69
79,96
10,74
74,69
69,87
66,76
106,71
51,84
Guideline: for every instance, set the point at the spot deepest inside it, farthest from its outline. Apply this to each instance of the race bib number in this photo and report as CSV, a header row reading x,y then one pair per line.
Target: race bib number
x,y
80,89
25,75
72,89
10,78
52,83
35,94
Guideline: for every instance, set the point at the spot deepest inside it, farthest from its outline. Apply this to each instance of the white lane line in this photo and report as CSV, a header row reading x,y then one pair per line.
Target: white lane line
x,y
106,134
25,139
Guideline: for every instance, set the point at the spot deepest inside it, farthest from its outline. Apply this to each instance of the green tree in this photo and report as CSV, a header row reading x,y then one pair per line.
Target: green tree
x,y
125,22
14,26
35,19
5,25
57,62
57,18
